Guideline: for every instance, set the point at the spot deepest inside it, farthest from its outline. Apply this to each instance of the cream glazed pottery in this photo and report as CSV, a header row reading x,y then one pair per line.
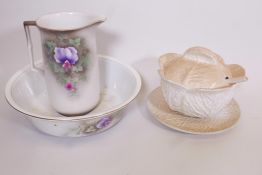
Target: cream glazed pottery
x,y
223,121
26,91
70,61
198,83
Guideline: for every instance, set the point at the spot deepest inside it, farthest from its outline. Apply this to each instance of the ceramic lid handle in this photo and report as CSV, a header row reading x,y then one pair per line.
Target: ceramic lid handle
x,y
202,54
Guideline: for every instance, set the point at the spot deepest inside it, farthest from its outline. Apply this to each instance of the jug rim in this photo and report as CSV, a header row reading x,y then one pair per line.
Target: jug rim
x,y
68,21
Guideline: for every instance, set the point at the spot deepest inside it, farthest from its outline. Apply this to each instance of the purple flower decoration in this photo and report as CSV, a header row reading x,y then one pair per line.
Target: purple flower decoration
x,y
103,122
65,56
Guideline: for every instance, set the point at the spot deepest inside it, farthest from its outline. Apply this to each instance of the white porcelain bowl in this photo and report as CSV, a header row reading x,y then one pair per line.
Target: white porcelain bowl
x,y
26,92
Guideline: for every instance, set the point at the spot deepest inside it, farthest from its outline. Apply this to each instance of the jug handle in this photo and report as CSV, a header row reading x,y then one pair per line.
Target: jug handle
x,y
27,25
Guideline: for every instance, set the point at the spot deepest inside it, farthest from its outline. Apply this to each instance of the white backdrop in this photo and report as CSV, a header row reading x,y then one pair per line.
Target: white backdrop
x,y
137,32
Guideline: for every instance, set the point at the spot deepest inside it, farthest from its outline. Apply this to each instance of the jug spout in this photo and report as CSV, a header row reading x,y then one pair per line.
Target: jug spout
x,y
96,20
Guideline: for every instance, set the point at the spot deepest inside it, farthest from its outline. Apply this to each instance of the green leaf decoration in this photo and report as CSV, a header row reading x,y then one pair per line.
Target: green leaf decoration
x,y
82,77
68,79
62,79
50,46
83,61
61,37
77,68
75,42
58,68
74,80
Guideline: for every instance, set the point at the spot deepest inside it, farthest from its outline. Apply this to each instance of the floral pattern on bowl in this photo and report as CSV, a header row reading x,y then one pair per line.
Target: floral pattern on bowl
x,y
91,126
